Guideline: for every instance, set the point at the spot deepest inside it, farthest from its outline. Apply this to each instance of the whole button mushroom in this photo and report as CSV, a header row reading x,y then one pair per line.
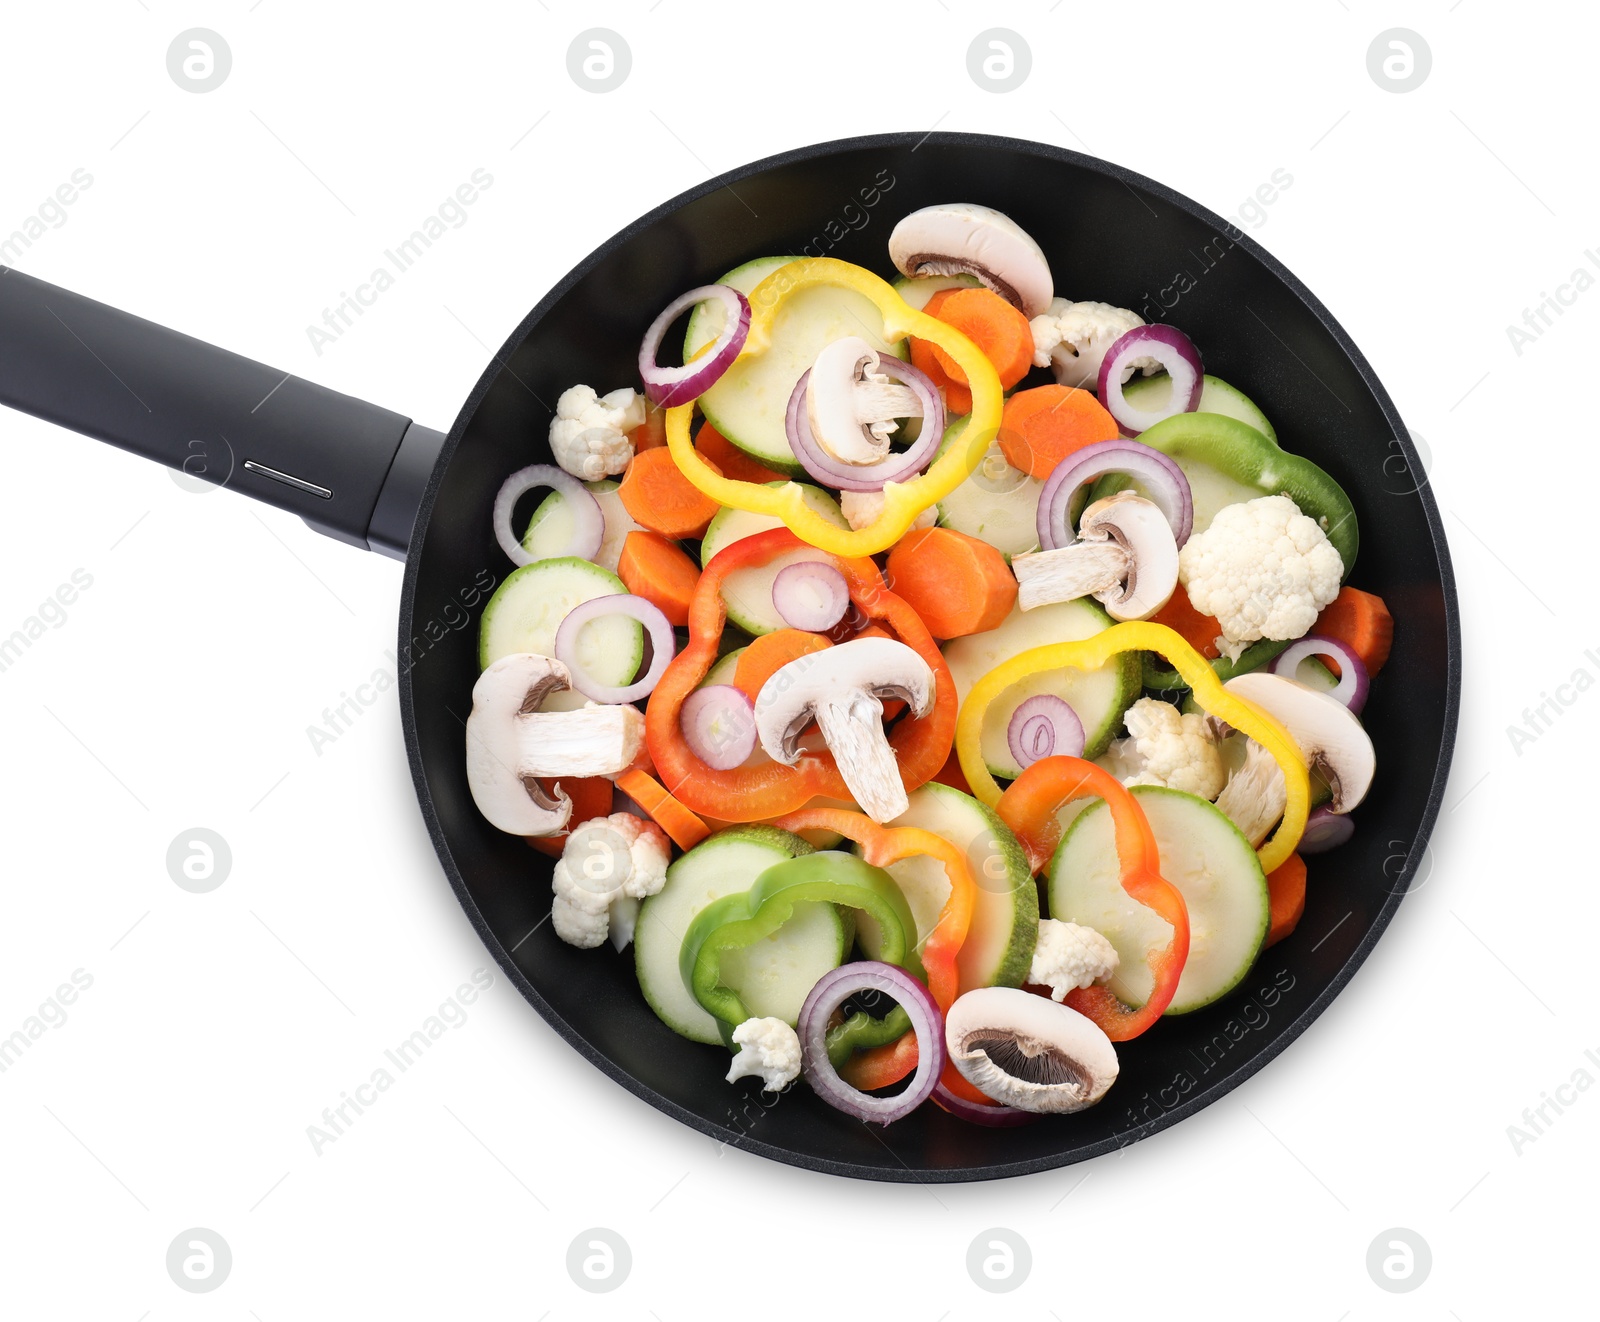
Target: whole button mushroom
x,y
963,238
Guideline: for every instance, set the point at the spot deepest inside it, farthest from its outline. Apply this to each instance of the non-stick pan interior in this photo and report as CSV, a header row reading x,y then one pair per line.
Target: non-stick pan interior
x,y
1109,236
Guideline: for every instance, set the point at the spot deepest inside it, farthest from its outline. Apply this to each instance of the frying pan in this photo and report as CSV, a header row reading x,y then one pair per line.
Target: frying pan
x,y
377,480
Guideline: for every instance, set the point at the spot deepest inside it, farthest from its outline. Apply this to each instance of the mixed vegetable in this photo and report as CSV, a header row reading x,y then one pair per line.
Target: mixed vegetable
x,y
884,647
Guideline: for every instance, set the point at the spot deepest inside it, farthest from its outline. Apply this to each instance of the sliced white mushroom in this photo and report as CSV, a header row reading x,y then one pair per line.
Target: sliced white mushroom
x,y
1125,557
842,688
1328,734
510,742
962,238
852,406
1028,1052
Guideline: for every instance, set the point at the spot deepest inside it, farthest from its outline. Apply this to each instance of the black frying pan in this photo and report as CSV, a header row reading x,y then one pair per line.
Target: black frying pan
x,y
375,479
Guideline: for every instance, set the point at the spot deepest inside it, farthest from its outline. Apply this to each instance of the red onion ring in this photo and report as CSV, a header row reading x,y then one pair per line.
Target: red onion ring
x,y
1044,726
1353,678
897,467
1161,477
663,645
718,724
588,522
669,386
994,1117
1325,830
1170,347
810,595
831,991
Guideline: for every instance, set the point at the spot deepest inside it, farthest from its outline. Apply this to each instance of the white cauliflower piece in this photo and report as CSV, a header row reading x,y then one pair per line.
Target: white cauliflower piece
x,y
1264,569
861,508
1074,338
1168,747
588,435
768,1049
607,866
1068,956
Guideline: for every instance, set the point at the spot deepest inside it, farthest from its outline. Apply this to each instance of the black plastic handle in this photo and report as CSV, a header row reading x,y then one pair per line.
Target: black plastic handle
x,y
350,469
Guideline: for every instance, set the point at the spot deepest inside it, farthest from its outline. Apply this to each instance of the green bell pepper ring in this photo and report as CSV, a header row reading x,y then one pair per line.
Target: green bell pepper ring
x,y
735,921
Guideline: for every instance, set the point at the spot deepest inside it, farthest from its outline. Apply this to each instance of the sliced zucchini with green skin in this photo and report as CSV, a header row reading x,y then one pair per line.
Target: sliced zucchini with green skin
x,y
748,592
772,976
917,290
1005,917
749,403
1099,697
550,529
997,504
723,671
527,609
1205,857
1150,394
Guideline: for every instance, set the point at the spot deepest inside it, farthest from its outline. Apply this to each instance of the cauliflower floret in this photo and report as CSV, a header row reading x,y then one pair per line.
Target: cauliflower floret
x,y
861,508
1263,569
1168,747
1075,337
1068,956
588,435
607,865
768,1048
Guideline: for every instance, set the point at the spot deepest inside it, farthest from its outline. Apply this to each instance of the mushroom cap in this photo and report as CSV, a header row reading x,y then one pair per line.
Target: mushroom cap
x,y
832,407
1028,1052
880,667
513,685
956,238
1139,526
1327,732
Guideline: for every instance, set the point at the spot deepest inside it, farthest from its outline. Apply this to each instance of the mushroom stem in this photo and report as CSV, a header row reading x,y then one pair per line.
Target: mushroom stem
x,y
852,727
592,741
1084,569
1255,795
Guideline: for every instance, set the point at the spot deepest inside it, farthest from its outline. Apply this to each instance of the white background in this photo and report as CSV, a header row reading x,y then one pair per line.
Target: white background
x,y
178,691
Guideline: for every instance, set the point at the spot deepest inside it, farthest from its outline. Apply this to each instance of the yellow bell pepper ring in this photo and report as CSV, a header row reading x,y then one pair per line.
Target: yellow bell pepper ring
x,y
1142,636
902,501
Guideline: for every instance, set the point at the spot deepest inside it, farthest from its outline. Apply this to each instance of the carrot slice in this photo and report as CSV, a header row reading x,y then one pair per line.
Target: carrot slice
x,y
997,328
1042,426
657,569
770,653
1362,622
1286,898
685,829
650,434
733,461
957,584
662,499
591,797
1199,631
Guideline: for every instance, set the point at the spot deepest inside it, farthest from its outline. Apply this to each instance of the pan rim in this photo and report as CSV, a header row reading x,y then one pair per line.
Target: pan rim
x,y
1292,1029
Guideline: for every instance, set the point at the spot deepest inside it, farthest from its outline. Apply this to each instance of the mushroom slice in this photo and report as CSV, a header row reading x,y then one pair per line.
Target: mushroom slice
x,y
962,238
1255,796
852,406
842,688
1332,739
1125,556
510,742
1026,1051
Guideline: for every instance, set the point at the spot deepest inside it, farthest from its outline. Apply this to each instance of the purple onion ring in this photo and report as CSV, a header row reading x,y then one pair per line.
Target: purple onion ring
x,y
1353,678
1170,347
663,645
899,467
588,523
670,386
1162,478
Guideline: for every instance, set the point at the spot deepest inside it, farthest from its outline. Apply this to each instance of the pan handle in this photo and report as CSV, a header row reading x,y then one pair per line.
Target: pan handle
x,y
350,469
